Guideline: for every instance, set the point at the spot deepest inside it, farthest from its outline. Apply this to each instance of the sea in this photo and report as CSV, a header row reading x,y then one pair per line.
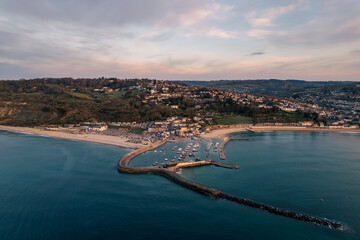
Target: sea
x,y
60,189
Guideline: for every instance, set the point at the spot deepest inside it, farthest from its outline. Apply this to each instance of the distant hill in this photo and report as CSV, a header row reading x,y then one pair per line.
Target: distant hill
x,y
271,87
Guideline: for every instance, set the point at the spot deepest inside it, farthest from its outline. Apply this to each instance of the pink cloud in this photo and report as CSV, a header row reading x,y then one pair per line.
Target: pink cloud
x,y
266,17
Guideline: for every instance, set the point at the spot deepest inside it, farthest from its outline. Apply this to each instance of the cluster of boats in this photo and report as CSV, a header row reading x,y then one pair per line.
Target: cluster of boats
x,y
161,150
185,152
190,150
196,147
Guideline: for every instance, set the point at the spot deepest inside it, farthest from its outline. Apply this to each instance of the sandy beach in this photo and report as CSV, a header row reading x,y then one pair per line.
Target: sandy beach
x,y
220,133
122,142
95,138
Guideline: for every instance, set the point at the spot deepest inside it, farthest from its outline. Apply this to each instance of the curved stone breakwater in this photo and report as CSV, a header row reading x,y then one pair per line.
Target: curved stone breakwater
x,y
222,145
221,148
123,167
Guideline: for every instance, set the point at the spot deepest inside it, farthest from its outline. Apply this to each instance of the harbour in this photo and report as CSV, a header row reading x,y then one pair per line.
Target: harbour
x,y
170,173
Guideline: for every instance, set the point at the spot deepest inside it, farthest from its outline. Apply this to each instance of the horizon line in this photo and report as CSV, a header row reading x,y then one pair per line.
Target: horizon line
x,y
182,80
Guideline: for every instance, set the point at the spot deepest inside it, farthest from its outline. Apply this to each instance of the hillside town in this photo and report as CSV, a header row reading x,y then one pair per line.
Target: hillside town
x,y
340,106
180,96
336,111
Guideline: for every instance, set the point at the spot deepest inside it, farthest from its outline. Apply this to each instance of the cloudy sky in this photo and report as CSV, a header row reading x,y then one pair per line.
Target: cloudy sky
x,y
181,39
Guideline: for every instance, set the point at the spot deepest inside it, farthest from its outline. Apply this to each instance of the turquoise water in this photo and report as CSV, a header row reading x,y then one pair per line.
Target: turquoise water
x,y
58,189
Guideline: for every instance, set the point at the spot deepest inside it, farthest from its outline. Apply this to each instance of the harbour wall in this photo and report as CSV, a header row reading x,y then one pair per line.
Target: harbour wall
x,y
223,144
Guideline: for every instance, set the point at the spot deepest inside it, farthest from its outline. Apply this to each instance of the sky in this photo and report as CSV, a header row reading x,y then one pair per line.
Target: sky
x,y
181,39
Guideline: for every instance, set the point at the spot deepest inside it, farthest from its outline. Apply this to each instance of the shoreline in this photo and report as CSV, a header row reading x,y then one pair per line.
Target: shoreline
x,y
223,132
93,138
121,142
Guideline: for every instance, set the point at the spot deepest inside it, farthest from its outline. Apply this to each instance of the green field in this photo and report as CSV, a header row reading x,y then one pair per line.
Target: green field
x,y
80,95
136,131
233,119
118,127
116,94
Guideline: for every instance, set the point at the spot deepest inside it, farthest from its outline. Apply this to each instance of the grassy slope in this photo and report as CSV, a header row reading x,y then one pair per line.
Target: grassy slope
x,y
233,119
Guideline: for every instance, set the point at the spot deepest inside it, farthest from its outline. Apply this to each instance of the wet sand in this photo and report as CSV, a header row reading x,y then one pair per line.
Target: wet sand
x,y
87,137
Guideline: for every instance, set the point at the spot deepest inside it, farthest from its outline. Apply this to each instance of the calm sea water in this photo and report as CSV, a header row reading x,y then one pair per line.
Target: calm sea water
x,y
58,189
